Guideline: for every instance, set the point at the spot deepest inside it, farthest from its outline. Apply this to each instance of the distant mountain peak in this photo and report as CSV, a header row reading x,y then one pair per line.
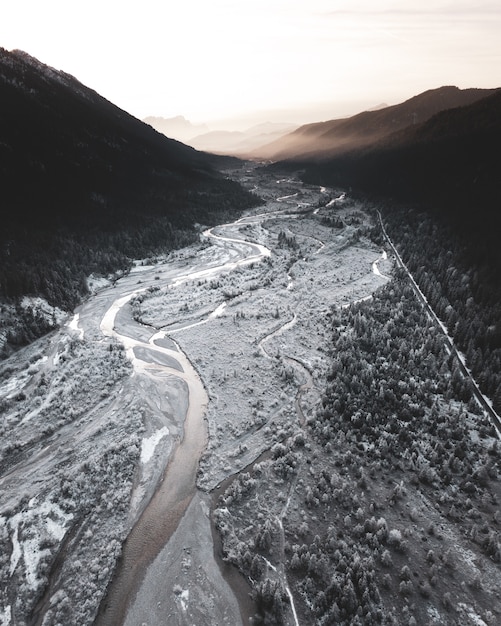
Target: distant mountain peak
x,y
378,107
177,127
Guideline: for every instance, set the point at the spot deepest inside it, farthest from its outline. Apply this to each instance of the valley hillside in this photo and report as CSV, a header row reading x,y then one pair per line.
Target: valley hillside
x,y
248,392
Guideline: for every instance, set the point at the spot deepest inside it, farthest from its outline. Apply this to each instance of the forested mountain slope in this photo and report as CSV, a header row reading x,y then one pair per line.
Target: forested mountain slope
x,y
85,187
439,190
327,139
451,161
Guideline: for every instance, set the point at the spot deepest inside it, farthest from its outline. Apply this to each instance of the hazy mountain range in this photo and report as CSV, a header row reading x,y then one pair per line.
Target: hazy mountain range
x,y
176,127
235,142
450,161
324,139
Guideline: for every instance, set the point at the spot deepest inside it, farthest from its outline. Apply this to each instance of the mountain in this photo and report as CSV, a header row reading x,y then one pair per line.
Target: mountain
x,y
222,142
176,127
240,143
218,141
438,187
86,187
323,139
451,161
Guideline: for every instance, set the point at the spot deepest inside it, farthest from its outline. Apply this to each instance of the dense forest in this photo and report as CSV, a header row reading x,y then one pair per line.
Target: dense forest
x,y
459,274
368,512
321,141
86,188
439,188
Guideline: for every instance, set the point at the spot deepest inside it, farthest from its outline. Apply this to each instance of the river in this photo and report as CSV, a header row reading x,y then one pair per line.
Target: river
x,y
161,517
133,591
169,571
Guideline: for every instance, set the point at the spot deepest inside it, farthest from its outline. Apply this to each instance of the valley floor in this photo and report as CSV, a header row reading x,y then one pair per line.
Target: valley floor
x,y
239,337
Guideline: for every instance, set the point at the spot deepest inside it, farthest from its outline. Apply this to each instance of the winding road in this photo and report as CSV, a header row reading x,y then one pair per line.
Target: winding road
x,y
479,396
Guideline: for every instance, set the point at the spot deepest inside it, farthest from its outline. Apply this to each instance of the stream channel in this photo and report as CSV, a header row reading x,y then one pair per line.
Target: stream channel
x,y
173,495
151,351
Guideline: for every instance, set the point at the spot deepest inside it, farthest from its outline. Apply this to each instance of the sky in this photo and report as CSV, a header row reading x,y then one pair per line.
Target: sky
x,y
260,60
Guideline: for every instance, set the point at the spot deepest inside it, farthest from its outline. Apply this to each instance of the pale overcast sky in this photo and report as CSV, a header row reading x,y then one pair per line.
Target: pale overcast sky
x,y
210,59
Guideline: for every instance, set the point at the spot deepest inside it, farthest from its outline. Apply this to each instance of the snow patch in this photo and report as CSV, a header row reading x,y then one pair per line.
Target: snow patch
x,y
73,325
184,597
30,529
149,444
5,616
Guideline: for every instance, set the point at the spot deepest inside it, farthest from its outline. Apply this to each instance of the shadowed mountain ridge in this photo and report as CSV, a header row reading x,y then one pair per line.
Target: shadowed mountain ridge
x,y
324,139
86,187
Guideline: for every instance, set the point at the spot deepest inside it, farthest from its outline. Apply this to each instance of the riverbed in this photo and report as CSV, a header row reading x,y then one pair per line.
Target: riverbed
x,y
242,336
184,372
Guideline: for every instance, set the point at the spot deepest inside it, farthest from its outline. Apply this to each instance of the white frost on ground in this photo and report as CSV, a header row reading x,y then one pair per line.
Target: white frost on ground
x,y
73,325
149,444
12,386
475,619
5,616
30,529
15,383
95,283
184,597
43,308
434,615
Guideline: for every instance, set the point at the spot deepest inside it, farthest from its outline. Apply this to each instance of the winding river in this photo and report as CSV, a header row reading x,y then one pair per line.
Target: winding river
x,y
162,515
149,352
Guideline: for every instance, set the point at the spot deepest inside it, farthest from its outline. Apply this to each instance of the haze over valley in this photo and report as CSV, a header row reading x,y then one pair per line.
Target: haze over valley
x,y
250,353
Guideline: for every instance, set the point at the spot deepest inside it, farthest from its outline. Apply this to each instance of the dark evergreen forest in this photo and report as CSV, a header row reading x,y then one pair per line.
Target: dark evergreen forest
x,y
459,274
440,188
86,188
397,459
